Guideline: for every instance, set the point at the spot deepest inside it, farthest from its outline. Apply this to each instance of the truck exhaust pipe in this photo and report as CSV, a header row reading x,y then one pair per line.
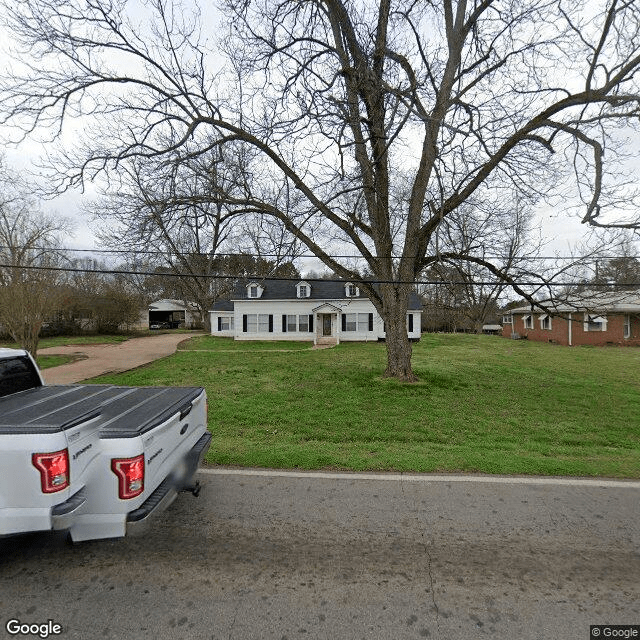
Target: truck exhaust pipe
x,y
193,489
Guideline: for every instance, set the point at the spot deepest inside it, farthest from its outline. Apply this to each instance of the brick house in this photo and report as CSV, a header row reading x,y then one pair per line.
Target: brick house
x,y
598,319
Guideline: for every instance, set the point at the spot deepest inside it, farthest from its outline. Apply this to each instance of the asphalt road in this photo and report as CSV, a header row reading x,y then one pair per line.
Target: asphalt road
x,y
284,556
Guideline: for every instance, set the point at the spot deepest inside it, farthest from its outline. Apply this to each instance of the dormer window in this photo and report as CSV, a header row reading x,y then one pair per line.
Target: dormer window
x,y
351,291
304,290
254,290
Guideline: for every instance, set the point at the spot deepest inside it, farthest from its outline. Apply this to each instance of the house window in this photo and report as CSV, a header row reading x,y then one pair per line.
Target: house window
x,y
303,291
351,291
253,291
363,322
506,319
595,323
302,323
528,322
257,323
627,326
410,322
225,323
545,322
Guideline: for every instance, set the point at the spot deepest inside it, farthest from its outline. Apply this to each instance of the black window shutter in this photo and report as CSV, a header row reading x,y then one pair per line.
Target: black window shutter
x,y
410,322
284,323
219,323
344,322
244,323
310,322
371,322
270,323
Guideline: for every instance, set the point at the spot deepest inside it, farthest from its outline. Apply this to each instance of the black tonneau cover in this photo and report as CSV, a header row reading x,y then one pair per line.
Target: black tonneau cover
x,y
125,412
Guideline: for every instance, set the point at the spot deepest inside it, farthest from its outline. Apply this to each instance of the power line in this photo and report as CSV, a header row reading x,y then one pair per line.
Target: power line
x,y
488,283
158,252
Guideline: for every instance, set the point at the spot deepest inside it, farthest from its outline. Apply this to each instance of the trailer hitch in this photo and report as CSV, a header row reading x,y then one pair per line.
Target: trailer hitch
x,y
193,489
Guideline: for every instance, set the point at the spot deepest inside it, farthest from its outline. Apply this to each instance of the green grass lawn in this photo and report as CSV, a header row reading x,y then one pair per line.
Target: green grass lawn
x,y
44,362
59,341
483,404
210,343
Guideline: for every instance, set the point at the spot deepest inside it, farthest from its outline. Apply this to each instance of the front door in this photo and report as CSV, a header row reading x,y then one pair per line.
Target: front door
x,y
326,324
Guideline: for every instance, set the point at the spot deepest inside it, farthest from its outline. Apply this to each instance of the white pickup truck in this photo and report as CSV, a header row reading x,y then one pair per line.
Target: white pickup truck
x,y
96,460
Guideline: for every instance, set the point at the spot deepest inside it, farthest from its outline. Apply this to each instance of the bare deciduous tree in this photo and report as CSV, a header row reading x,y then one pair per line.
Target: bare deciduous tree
x,y
29,242
494,231
171,215
367,124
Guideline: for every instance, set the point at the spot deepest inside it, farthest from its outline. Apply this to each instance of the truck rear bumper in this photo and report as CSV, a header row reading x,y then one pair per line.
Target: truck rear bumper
x,y
168,489
63,514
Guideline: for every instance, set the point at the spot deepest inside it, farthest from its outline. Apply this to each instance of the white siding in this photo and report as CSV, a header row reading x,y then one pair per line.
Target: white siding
x,y
304,307
358,307
224,333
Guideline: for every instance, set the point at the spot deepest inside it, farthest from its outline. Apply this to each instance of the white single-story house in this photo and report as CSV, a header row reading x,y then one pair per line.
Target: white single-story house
x,y
174,313
322,311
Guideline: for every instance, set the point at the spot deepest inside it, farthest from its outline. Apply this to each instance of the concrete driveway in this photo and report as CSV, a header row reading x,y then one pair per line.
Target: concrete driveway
x,y
98,359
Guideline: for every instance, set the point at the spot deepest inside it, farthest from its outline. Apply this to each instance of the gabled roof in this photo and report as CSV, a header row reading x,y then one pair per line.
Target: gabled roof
x,y
600,301
326,306
276,289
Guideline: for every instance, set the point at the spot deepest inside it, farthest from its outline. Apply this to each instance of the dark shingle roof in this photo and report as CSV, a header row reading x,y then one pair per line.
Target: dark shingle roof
x,y
286,290
222,305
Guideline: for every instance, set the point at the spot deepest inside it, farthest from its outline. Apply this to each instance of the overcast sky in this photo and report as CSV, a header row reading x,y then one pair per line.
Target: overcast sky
x,y
561,230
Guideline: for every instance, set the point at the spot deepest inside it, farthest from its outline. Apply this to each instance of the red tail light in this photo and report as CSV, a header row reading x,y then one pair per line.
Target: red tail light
x,y
54,470
130,472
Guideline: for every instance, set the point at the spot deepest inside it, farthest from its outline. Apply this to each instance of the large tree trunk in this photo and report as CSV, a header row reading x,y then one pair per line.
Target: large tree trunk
x,y
32,338
205,317
395,304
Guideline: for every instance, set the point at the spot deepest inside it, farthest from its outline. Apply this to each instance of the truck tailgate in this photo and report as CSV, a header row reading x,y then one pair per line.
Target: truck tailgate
x,y
168,422
82,417
35,423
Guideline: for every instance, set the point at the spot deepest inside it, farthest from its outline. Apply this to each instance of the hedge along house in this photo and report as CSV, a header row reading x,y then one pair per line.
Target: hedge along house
x,y
321,311
598,319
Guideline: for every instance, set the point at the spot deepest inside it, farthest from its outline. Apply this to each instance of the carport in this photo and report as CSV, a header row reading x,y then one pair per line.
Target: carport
x,y
173,313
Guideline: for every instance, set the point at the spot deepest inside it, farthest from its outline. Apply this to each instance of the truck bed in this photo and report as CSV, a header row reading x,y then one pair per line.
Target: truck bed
x,y
125,412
